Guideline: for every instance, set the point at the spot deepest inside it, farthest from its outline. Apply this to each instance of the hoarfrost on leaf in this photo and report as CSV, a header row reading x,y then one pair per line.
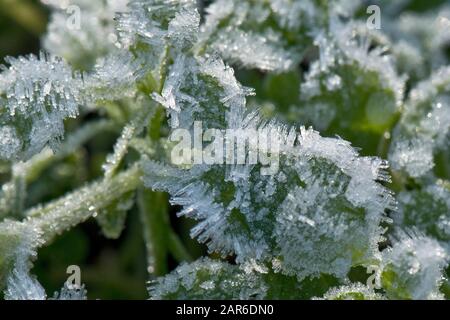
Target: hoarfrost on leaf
x,y
356,291
414,267
38,94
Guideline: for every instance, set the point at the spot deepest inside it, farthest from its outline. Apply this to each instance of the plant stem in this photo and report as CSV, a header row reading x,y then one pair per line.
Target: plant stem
x,y
154,216
177,248
76,207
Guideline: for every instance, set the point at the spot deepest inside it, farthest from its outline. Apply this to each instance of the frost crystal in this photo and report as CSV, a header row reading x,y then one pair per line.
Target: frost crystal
x,y
153,22
114,77
22,286
332,195
355,291
297,212
18,243
82,42
254,33
428,210
413,267
207,278
358,82
68,293
10,144
39,94
424,127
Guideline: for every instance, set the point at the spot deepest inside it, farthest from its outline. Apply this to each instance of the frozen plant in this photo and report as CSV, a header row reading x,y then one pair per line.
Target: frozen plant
x,y
338,98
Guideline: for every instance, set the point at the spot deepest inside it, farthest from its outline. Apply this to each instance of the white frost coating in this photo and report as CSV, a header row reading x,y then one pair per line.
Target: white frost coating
x,y
429,31
120,149
415,156
10,143
188,93
93,37
349,45
254,34
424,127
18,243
114,77
208,278
183,28
22,286
248,214
40,93
145,21
318,223
67,293
338,211
427,209
33,84
347,69
355,291
417,264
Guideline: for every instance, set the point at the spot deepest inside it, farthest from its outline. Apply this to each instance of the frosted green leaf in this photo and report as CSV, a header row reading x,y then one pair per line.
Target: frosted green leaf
x,y
427,209
112,218
38,94
199,89
243,212
214,279
356,291
413,268
114,77
429,32
153,29
268,35
82,42
23,286
154,21
352,88
424,127
208,279
324,198
18,243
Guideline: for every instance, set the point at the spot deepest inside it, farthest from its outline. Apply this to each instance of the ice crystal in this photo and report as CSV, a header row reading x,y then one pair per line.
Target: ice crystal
x,y
355,291
114,77
207,278
252,215
428,210
69,292
18,244
254,33
22,286
82,42
297,222
40,92
413,267
425,126
368,103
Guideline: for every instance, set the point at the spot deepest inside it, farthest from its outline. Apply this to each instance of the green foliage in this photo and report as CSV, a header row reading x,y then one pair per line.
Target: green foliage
x,y
87,141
